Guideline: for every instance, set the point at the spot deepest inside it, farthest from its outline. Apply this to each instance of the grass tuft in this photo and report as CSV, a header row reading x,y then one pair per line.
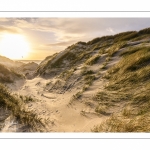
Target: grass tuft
x,y
18,109
120,124
92,60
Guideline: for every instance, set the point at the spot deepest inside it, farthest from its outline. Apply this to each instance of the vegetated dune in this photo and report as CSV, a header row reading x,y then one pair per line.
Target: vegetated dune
x,y
28,69
8,75
10,63
9,70
99,86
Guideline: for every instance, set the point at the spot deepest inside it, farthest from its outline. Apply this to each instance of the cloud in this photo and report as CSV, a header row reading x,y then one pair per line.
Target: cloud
x,y
110,30
4,19
66,29
10,29
55,34
73,26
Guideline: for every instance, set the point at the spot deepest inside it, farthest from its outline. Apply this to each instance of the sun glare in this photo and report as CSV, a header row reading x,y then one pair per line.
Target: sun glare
x,y
14,46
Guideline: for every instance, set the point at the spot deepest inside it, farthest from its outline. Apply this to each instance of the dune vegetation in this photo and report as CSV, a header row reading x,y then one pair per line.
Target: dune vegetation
x,y
129,80
17,108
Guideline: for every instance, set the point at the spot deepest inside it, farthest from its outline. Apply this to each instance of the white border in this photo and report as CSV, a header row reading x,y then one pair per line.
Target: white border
x,y
65,135
74,5
76,14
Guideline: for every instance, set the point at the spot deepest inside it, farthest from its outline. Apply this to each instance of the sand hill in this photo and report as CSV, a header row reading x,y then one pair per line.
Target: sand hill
x,y
98,86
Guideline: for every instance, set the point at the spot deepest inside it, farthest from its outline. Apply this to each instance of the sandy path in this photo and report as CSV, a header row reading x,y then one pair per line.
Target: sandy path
x,y
77,117
63,117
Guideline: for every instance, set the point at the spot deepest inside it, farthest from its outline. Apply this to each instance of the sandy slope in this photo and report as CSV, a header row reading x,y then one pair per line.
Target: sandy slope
x,y
63,116
76,117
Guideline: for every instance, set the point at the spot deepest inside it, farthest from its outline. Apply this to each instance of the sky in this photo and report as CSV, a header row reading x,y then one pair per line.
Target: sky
x,y
46,36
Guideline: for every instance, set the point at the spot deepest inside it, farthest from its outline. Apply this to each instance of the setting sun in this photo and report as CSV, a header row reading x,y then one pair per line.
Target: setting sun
x,y
14,46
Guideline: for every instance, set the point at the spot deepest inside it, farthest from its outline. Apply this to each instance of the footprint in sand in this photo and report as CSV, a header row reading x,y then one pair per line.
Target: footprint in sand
x,y
30,105
44,111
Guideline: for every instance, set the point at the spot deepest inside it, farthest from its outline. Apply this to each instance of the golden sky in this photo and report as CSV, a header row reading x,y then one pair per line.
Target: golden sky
x,y
37,38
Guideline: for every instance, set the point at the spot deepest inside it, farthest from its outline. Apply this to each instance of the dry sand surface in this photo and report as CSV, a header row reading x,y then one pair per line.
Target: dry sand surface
x,y
64,117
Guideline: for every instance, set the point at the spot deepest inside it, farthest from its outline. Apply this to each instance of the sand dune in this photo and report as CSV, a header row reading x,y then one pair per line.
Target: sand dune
x,y
66,117
84,85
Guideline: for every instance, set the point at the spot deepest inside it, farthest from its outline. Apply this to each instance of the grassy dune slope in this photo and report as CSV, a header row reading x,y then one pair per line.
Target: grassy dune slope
x,y
8,75
17,108
130,79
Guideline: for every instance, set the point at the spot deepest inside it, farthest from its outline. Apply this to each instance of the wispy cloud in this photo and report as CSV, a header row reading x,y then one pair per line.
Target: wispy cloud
x,y
66,29
111,30
10,29
55,34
